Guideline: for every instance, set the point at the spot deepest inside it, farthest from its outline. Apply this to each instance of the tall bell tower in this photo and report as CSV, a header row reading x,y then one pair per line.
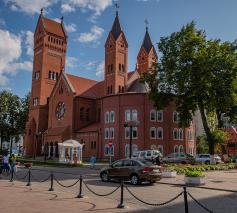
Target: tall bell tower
x,y
50,44
147,54
116,59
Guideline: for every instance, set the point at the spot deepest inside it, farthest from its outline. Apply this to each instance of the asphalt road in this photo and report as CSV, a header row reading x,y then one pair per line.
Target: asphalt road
x,y
215,200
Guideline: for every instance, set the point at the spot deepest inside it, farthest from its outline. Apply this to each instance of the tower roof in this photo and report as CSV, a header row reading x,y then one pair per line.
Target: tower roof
x,y
147,44
116,29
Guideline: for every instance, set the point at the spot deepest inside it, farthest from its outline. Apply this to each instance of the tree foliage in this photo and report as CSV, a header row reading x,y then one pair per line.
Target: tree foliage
x,y
13,115
197,74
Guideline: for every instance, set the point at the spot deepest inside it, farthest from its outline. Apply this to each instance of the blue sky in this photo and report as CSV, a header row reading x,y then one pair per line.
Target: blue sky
x,y
88,23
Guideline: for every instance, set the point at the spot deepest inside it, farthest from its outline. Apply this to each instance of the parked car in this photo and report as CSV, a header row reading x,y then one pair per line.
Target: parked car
x,y
206,158
134,170
179,158
149,155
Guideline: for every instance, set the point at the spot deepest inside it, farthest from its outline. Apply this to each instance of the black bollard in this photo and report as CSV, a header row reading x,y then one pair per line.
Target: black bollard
x,y
80,195
51,185
29,178
120,206
185,200
12,173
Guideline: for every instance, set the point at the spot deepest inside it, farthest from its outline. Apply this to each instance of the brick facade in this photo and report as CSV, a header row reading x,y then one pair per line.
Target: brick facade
x,y
94,113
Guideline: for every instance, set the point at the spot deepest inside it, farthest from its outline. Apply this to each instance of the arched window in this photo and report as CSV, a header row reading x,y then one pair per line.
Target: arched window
x,y
159,116
152,115
112,116
176,149
106,133
181,149
180,134
106,117
175,134
152,133
159,133
175,117
134,115
111,133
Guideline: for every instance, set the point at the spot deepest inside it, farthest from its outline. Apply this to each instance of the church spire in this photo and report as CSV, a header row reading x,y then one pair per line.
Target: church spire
x,y
116,28
147,44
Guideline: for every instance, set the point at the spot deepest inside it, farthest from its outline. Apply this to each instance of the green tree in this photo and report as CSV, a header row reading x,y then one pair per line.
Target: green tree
x,y
192,72
202,145
4,96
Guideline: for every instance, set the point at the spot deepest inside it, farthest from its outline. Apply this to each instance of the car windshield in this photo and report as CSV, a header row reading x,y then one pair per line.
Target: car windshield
x,y
145,162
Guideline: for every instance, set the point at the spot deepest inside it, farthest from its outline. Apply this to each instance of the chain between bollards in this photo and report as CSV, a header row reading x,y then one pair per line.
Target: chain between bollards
x,y
12,173
121,205
29,178
185,200
51,184
80,195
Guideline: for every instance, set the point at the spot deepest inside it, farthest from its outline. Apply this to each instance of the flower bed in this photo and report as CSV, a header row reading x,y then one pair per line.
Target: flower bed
x,y
182,169
194,178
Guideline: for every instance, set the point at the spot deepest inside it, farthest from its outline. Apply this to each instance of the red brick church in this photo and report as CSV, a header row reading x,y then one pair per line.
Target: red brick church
x,y
64,106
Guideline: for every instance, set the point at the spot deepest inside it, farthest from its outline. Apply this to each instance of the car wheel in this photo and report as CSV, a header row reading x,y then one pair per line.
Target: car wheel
x,y
183,162
207,162
104,176
135,180
152,182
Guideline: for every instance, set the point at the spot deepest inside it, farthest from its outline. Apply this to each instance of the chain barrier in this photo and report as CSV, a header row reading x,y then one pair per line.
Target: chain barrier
x,y
205,208
20,178
40,181
154,204
57,181
102,195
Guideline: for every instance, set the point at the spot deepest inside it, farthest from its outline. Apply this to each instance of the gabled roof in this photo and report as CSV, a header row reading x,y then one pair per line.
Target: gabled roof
x,y
147,44
95,91
116,29
79,84
53,27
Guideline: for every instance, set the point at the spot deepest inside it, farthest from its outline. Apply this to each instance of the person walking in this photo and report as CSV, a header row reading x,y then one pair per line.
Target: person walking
x,y
5,162
13,163
93,161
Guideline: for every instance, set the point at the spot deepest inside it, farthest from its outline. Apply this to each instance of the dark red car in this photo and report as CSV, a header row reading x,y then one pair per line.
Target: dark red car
x,y
134,170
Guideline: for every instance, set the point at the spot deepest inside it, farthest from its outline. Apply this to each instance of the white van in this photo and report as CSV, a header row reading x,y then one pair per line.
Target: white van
x,y
147,154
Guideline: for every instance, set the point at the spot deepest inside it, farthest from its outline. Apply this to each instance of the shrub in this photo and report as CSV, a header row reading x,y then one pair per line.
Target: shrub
x,y
194,174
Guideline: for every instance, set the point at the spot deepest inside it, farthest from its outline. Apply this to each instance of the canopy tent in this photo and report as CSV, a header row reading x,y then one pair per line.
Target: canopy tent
x,y
70,151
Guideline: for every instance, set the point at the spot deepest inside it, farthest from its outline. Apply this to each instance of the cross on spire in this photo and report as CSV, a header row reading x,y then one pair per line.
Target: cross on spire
x,y
62,19
117,7
42,11
146,23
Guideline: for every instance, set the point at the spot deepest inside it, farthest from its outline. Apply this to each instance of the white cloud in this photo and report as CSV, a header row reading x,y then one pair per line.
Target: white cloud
x,y
67,8
100,70
29,6
96,6
70,28
92,36
10,53
2,22
29,43
71,62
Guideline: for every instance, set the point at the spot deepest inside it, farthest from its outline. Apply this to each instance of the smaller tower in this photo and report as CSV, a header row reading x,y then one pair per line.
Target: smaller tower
x,y
147,54
116,59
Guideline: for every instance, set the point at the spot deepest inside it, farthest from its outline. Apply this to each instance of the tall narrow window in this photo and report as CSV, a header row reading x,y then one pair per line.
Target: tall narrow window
x,y
49,74
153,133
112,116
106,133
159,133
180,134
127,115
175,134
160,116
134,115
111,133
134,133
175,117
152,115
106,117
